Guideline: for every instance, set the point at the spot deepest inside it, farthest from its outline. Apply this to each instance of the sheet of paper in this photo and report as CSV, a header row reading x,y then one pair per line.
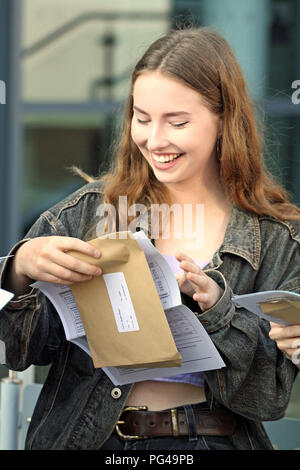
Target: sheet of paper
x,y
162,274
5,297
5,257
252,302
63,300
82,343
193,343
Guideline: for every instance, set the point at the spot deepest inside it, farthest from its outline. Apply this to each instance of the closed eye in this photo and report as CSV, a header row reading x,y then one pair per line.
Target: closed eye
x,y
180,124
141,121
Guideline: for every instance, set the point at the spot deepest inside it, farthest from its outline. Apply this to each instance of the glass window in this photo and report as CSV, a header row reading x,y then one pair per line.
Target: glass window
x,y
76,61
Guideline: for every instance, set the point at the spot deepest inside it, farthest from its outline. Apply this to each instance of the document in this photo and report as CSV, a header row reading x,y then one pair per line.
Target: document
x,y
162,274
5,257
63,300
278,306
197,351
193,342
5,297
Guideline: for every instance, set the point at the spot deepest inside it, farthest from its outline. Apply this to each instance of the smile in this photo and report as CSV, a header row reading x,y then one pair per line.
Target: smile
x,y
166,161
167,157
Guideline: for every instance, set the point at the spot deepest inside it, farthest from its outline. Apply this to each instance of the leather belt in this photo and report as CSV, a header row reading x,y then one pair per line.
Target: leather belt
x,y
138,423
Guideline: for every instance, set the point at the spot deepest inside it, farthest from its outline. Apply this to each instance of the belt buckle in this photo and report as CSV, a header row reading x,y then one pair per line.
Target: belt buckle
x,y
126,437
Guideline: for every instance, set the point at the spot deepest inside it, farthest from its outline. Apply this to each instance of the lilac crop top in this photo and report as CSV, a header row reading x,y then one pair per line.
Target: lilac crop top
x,y
195,378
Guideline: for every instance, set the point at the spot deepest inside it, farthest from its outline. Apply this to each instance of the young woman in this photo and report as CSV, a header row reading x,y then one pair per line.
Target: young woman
x,y
189,138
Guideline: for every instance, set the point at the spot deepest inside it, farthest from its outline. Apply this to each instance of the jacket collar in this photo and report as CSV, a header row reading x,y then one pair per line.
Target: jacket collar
x,y
242,236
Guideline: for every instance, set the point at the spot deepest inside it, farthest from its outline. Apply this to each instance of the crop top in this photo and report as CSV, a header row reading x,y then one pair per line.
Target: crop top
x,y
195,378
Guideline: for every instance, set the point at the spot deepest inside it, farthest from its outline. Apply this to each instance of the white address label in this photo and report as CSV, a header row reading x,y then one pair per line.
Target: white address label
x,y
121,302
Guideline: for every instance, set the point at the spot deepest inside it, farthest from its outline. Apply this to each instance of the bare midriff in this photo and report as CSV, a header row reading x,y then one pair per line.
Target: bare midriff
x,y
162,395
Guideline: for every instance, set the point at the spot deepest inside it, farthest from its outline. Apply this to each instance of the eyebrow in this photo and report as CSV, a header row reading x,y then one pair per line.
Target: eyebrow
x,y
173,113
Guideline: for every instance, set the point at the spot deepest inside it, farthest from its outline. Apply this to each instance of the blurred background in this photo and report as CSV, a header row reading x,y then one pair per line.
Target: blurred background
x,y
66,67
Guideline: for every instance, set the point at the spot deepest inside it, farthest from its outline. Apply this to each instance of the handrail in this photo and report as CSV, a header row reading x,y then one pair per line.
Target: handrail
x,y
90,16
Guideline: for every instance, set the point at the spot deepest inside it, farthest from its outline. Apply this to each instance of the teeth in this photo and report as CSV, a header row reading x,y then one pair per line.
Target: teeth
x,y
165,158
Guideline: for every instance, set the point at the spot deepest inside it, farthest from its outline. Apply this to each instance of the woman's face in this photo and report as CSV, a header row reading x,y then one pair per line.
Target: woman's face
x,y
173,129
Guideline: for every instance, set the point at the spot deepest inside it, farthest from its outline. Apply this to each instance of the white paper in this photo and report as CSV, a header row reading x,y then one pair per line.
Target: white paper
x,y
162,274
63,300
121,302
251,301
5,297
193,343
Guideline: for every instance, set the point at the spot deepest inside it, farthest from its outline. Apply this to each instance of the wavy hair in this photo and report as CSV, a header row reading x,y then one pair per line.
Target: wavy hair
x,y
201,59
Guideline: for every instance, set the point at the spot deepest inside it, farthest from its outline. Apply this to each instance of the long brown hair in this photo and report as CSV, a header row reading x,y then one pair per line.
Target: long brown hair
x,y
201,59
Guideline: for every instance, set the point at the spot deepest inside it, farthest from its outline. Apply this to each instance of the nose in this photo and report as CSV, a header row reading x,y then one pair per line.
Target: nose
x,y
157,138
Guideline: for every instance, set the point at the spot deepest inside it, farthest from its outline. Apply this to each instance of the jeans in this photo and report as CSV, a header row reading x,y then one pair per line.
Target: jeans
x,y
190,442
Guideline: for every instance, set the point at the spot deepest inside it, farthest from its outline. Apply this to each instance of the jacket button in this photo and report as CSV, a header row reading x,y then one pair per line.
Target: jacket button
x,y
116,393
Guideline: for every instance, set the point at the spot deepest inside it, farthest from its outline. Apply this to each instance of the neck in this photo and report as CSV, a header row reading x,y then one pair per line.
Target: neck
x,y
204,188
200,192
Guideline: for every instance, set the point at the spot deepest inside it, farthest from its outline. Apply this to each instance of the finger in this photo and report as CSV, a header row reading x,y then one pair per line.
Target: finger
x,y
275,333
282,331
191,267
75,244
183,257
199,281
181,280
65,275
47,277
74,264
284,344
185,286
276,325
201,297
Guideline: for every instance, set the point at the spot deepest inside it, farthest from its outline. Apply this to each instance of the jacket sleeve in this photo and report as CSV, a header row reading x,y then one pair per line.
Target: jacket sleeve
x,y
257,380
29,325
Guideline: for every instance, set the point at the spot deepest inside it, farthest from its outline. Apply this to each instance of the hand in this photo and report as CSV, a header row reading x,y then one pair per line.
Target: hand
x,y
287,339
47,259
196,284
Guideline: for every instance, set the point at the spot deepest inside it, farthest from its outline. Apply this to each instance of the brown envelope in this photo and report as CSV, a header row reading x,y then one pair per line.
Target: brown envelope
x,y
141,336
287,310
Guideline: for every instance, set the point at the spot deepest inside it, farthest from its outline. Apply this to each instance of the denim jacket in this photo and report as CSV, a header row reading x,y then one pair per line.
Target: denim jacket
x,y
79,406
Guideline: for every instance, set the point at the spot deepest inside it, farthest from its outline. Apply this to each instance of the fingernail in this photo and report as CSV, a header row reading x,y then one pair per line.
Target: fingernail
x,y
97,253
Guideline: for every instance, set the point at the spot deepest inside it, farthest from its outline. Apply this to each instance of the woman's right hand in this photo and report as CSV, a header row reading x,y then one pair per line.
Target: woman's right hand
x,y
47,259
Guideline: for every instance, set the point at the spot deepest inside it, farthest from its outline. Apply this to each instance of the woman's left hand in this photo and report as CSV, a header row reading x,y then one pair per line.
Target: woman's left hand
x,y
287,338
196,284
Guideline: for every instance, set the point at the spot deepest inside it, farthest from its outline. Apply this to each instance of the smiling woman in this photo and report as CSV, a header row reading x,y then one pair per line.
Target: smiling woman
x,y
189,138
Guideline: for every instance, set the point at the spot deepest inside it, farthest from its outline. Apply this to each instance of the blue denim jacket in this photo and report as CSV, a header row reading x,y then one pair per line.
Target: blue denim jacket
x,y
79,406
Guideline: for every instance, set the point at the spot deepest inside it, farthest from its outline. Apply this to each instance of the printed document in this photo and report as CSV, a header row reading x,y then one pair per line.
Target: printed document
x,y
279,306
192,341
